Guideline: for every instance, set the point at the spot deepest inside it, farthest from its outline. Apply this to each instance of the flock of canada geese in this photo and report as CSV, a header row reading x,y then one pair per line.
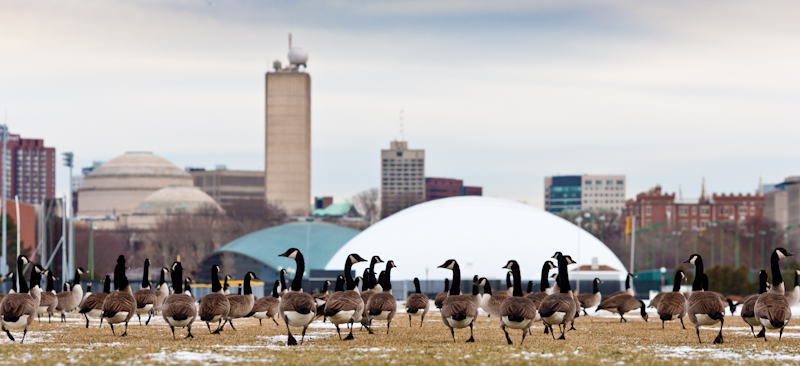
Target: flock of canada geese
x,y
349,305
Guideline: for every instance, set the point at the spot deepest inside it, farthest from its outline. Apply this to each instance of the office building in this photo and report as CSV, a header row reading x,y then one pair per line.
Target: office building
x,y
30,170
288,135
402,178
436,188
584,193
782,204
227,187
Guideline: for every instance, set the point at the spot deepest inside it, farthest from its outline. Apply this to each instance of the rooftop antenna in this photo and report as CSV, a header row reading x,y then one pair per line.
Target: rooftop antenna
x,y
402,135
290,41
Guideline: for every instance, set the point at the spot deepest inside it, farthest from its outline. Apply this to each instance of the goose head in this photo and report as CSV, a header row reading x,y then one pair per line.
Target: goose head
x,y
291,253
510,264
598,281
569,260
692,259
482,281
24,259
251,276
172,269
377,259
631,275
80,270
557,255
682,275
549,265
38,269
449,264
355,258
782,253
390,264
147,261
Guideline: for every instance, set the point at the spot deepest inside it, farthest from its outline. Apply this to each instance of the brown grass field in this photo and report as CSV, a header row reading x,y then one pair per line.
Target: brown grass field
x,y
599,340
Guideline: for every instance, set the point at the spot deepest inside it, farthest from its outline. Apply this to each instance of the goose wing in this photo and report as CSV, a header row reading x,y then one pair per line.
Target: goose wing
x,y
672,303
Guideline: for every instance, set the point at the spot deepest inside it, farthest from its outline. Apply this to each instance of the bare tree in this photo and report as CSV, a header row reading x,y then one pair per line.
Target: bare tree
x,y
368,203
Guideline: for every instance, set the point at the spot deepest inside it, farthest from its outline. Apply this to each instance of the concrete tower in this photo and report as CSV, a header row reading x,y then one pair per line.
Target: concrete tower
x,y
288,134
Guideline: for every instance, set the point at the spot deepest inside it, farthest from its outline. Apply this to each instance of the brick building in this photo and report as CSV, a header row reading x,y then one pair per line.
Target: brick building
x,y
436,188
656,207
30,170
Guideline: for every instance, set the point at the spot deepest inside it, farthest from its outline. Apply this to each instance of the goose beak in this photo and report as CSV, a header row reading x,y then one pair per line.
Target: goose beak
x,y
686,261
442,266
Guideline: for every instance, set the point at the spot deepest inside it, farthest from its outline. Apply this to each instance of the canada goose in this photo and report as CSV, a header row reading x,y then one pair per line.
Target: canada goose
x,y
179,309
772,309
70,300
590,300
559,308
145,297
382,305
622,304
491,303
225,286
793,298
93,305
628,288
459,311
544,286
49,300
214,307
268,307
187,287
162,289
749,305
704,308
367,290
517,311
19,308
297,308
417,304
119,305
240,305
284,289
672,305
346,306
319,298
722,297
86,294
439,299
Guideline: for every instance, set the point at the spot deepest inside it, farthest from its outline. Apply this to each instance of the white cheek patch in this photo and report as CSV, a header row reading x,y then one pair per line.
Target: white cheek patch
x,y
293,255
780,255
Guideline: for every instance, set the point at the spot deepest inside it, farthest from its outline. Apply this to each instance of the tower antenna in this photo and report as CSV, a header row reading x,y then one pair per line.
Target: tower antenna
x,y
402,135
290,41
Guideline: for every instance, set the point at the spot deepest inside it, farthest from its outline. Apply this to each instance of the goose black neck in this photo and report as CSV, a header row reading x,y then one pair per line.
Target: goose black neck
x,y
248,290
530,286
368,285
643,308
297,283
177,279
146,275
225,285
283,281
348,277
446,285
36,278
796,277
77,279
697,284
475,288
14,284
325,287
275,289
628,281
777,278
594,287
676,287
762,282
416,285
339,284
705,282
487,288
51,285
545,284
107,285
162,280
215,285
187,287
509,284
372,281
23,286
387,281
563,275
517,280
456,286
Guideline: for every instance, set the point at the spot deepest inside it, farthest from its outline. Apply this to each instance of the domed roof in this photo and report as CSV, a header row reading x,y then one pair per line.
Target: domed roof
x,y
176,199
481,233
138,163
316,240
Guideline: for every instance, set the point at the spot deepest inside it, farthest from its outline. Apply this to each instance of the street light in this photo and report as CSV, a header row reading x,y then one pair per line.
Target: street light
x,y
763,235
4,262
713,224
663,271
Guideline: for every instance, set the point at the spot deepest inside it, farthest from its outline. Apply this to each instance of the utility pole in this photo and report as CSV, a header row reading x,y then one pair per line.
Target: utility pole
x,y
68,162
4,264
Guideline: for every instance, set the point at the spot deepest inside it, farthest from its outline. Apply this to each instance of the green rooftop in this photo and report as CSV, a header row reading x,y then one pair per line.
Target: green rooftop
x,y
335,210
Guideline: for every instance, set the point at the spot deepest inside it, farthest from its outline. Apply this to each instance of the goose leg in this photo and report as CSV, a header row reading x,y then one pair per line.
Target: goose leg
x,y
8,332
780,335
292,341
87,320
421,320
50,315
571,325
662,324
25,332
126,330
39,317
149,316
231,323
524,331
409,321
719,339
546,329
562,332
112,330
761,333
63,317
259,323
752,331
471,337
140,318
684,327
303,338
698,334
452,333
209,327
173,331
276,322
350,336
338,331
508,339
189,327
101,322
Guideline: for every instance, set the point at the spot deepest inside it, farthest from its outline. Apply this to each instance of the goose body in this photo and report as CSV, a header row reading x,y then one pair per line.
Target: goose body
x,y
628,288
162,290
491,300
459,311
18,309
544,289
793,298
119,305
749,304
319,298
297,308
214,307
145,297
69,301
346,306
382,305
179,309
772,307
92,306
268,307
49,300
559,308
241,305
417,304
517,311
590,300
438,300
672,305
704,308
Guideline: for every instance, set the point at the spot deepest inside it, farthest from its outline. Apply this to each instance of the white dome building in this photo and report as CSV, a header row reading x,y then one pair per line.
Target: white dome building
x,y
482,234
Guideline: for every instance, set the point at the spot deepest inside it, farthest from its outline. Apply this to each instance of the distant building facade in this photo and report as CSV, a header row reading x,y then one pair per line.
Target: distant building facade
x,y
227,187
584,193
655,207
436,188
782,204
402,177
30,170
288,139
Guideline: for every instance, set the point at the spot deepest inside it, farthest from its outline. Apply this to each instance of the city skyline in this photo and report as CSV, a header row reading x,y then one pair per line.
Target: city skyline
x,y
676,94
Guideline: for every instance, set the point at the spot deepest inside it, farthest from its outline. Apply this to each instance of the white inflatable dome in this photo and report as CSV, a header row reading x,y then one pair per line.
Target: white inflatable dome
x,y
481,233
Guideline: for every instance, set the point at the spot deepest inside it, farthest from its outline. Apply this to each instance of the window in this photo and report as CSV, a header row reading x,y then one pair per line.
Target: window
x,y
704,211
694,212
684,224
742,210
704,224
683,211
609,182
620,182
588,182
752,210
647,212
598,182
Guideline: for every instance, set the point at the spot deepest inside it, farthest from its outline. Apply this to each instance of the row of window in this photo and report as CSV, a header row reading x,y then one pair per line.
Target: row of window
x,y
705,210
605,188
609,182
603,201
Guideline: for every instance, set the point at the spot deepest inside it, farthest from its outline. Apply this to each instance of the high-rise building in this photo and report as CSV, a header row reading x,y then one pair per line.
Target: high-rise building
x,y
30,169
402,178
782,204
584,193
229,187
436,188
288,135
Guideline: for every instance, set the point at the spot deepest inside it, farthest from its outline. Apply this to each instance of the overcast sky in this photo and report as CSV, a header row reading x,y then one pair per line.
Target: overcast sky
x,y
499,94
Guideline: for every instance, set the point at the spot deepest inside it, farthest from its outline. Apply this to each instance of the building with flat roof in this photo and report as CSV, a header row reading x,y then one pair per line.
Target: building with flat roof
x,y
402,178
584,193
31,170
436,188
288,135
782,204
227,187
